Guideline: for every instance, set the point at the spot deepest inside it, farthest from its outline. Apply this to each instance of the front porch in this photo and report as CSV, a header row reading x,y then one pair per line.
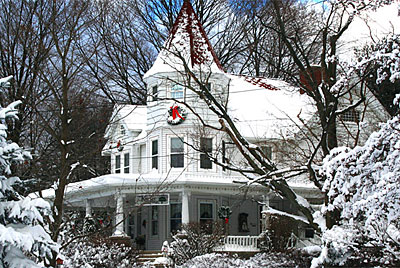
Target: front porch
x,y
148,213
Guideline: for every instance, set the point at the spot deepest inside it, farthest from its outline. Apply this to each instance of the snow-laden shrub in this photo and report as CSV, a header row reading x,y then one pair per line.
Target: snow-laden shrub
x,y
363,185
279,232
98,253
23,240
270,260
194,240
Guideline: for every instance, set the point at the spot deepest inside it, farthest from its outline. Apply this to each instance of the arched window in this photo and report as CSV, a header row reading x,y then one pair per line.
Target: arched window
x,y
177,91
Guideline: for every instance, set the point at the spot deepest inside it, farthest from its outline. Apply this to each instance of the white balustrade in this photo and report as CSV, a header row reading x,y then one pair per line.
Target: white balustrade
x,y
239,243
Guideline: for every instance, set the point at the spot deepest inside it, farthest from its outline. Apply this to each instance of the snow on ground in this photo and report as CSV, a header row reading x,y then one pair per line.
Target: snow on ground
x,y
270,260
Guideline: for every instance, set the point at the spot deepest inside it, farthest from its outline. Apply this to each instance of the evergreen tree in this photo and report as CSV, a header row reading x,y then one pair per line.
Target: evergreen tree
x,y
23,240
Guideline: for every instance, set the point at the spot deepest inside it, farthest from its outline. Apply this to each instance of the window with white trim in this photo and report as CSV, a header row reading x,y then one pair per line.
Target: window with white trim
x,y
118,164
177,91
205,150
126,163
154,154
177,153
206,215
175,217
154,220
154,92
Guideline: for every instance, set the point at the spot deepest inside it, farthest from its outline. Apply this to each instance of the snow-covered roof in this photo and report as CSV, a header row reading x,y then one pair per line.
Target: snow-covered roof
x,y
113,181
187,41
267,108
134,117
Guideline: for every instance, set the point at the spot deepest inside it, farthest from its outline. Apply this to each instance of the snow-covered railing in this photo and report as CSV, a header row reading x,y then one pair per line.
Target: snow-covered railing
x,y
239,243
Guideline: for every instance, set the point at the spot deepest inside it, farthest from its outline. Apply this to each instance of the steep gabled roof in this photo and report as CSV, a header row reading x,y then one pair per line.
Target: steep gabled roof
x,y
187,41
187,29
134,117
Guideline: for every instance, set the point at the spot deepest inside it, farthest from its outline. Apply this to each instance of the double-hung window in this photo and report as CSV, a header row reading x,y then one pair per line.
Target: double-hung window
x,y
177,91
126,163
154,154
206,215
205,150
177,153
175,216
118,164
154,220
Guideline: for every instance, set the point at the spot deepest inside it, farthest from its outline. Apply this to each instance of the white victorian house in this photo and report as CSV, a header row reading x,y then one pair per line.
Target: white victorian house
x,y
159,179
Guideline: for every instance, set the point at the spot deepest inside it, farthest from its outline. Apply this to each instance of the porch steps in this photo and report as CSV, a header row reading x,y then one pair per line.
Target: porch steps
x,y
148,256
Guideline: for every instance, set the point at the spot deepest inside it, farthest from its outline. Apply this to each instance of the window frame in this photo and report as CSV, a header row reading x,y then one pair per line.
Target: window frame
x,y
170,153
122,130
117,164
263,148
201,154
174,218
213,209
154,218
126,162
173,91
154,93
154,156
309,233
351,116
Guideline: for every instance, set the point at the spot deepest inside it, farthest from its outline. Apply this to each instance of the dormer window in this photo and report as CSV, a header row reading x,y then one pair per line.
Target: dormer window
x,y
122,130
177,91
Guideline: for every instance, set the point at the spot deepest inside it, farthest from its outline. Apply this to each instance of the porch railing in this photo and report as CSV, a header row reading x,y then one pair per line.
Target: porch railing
x,y
239,243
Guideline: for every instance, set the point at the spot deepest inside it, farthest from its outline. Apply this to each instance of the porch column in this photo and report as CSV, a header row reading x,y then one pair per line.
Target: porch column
x,y
185,207
264,216
119,216
88,205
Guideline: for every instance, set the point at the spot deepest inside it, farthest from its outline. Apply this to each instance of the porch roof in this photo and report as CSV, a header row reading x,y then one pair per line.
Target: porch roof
x,y
110,184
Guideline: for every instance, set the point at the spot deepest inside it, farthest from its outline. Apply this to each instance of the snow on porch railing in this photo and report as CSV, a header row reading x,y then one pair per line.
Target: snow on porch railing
x,y
239,243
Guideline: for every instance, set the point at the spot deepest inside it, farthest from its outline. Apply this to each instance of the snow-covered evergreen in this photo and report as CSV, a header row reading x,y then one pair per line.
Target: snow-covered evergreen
x,y
23,240
364,185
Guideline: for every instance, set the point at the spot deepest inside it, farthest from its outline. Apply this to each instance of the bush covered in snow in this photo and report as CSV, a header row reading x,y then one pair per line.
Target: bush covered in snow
x,y
270,260
194,240
98,253
23,240
280,229
363,185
